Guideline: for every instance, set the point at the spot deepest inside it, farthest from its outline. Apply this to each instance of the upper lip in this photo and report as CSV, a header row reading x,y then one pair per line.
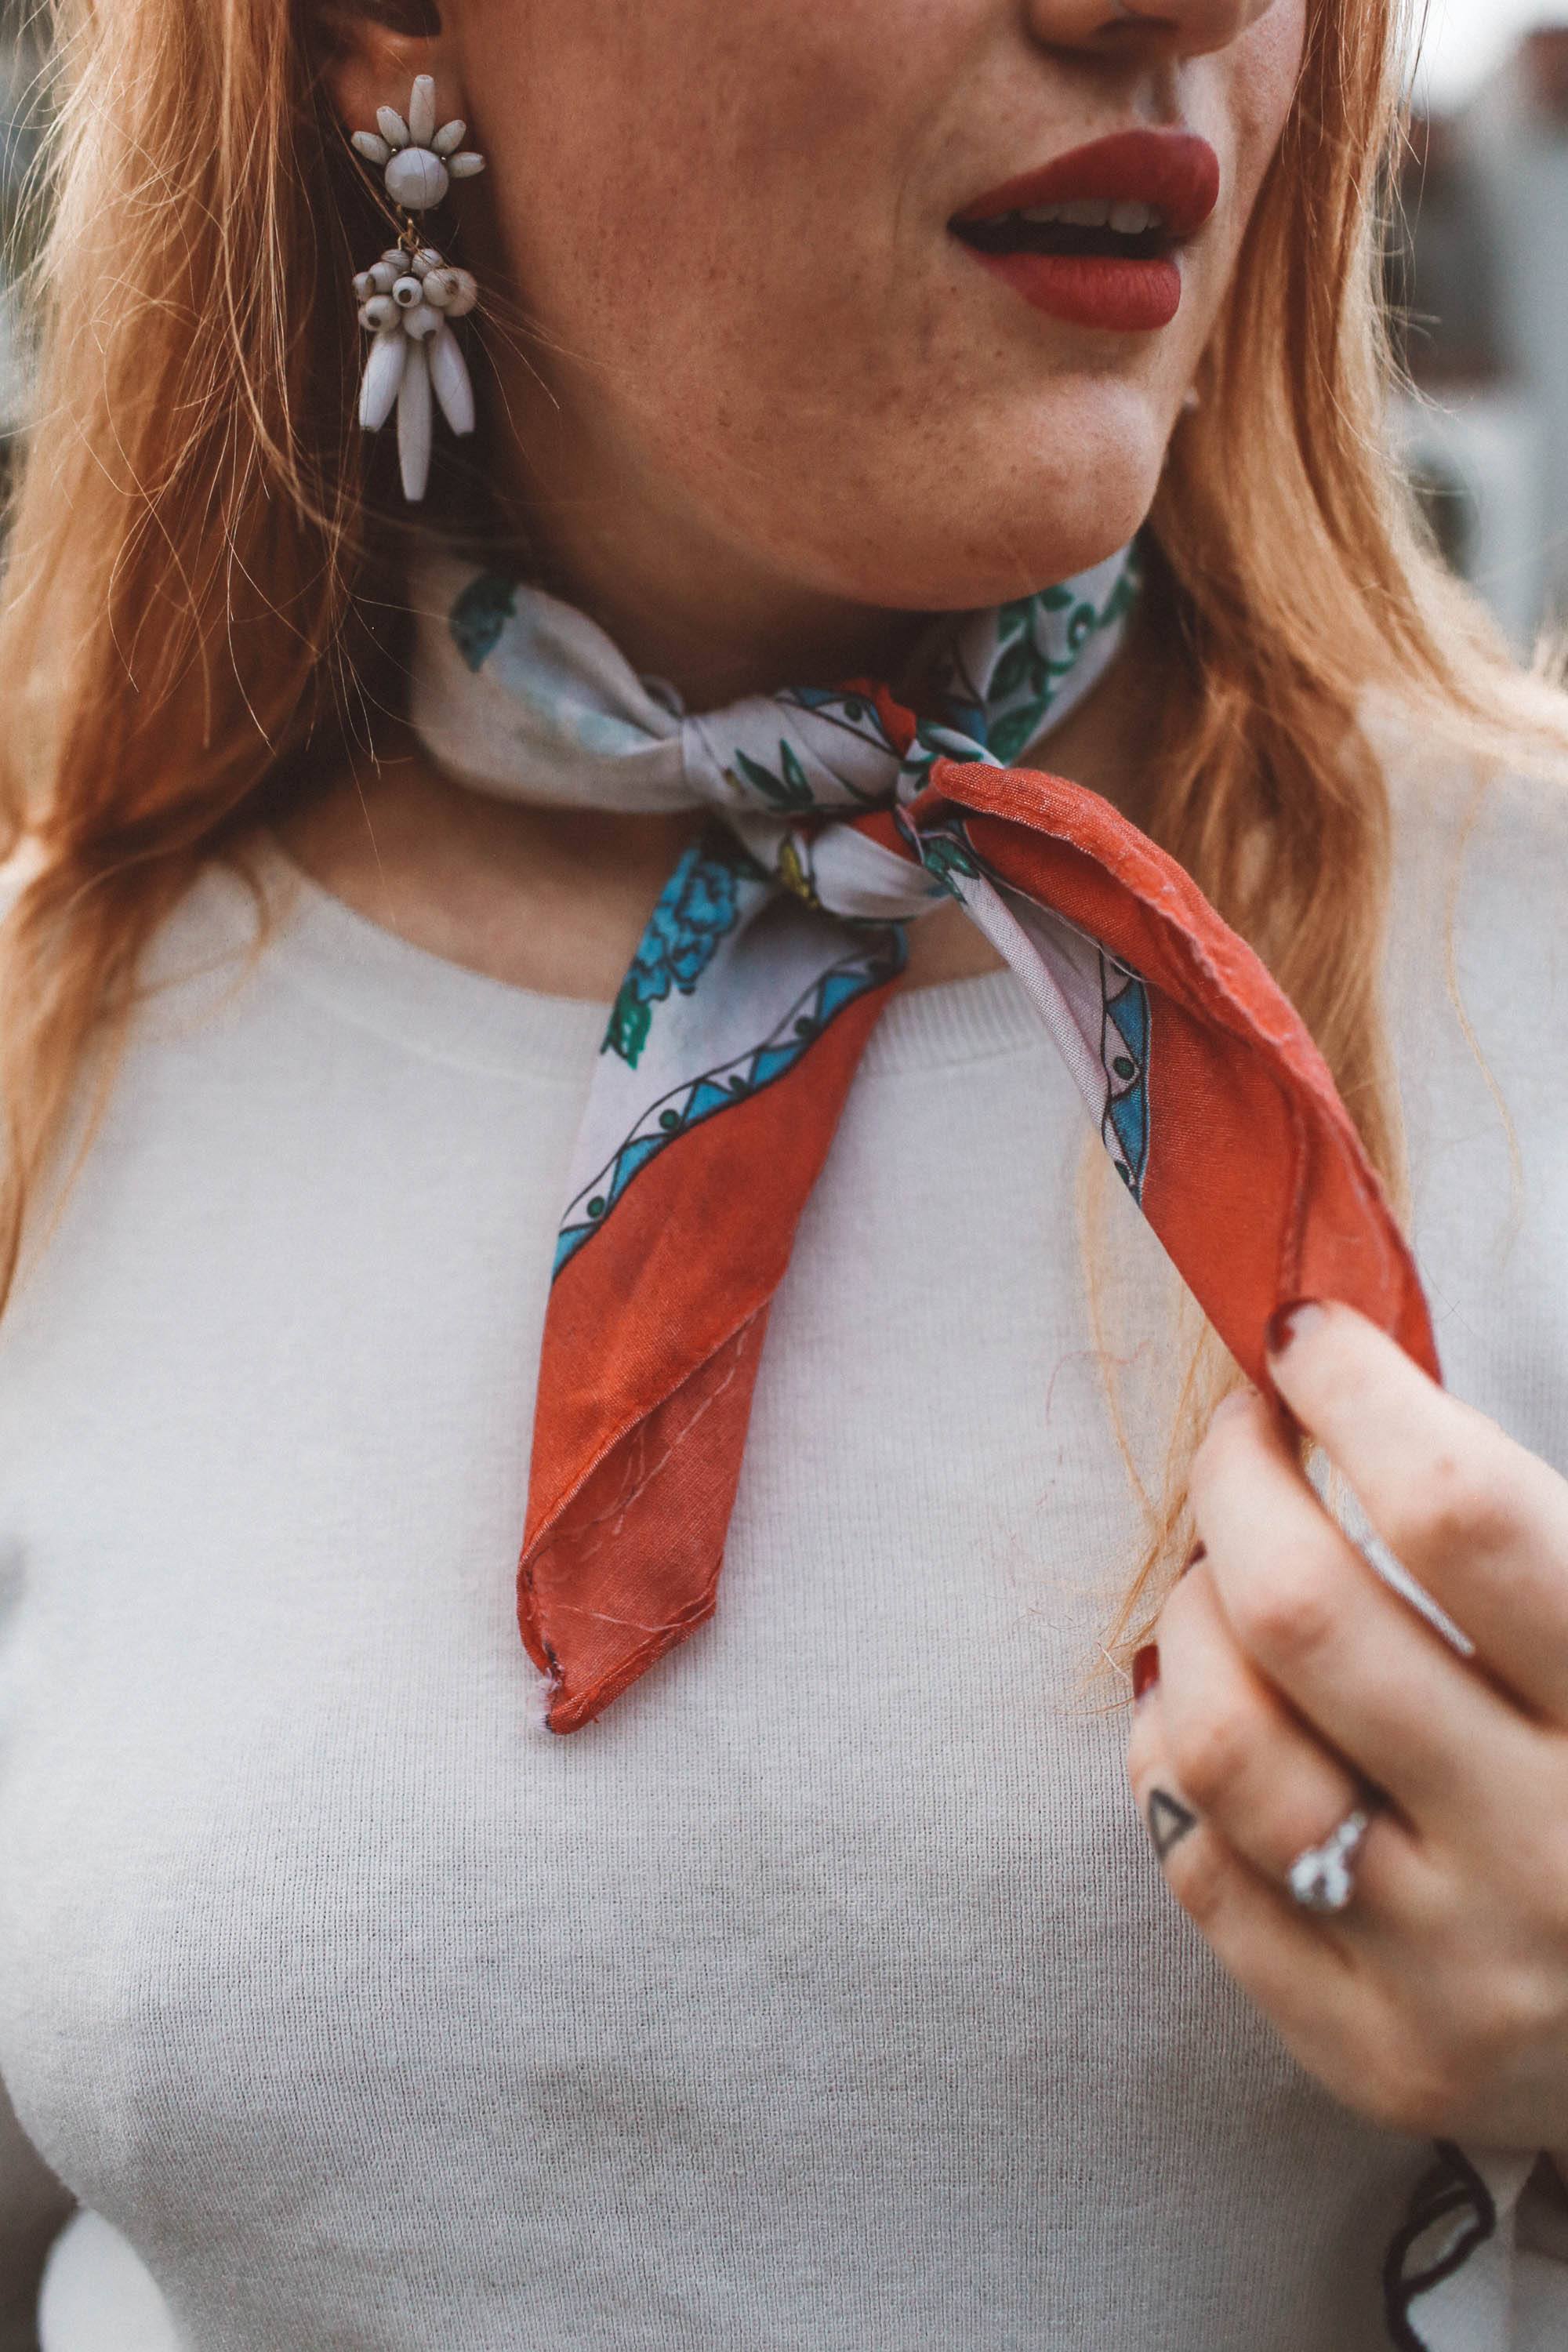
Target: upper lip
x,y
1173,172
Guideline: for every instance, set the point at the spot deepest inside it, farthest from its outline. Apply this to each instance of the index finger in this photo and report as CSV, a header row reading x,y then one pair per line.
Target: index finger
x,y
1475,1517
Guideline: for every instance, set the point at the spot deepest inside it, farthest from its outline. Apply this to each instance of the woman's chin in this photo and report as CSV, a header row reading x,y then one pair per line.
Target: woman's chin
x,y
991,516
991,556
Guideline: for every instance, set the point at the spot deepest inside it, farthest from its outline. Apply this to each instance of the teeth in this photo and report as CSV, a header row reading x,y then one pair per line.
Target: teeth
x,y
1083,212
1093,211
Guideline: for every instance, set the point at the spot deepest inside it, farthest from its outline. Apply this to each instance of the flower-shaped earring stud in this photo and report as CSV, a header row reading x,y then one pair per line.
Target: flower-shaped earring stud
x,y
409,299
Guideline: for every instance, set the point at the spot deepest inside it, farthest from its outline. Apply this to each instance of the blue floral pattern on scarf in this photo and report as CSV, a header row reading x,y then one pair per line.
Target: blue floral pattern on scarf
x,y
699,906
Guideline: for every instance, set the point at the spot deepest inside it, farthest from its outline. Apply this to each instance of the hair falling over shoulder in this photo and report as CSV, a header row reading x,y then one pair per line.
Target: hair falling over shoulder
x,y
179,615
191,562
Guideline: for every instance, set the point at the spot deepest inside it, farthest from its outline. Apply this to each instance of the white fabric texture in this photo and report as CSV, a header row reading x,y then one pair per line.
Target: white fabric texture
x,y
825,1993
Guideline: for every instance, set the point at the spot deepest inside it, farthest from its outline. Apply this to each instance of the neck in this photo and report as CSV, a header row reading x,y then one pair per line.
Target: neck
x,y
682,602
556,899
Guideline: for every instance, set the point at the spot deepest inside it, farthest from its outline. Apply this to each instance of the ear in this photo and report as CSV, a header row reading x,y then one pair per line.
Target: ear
x,y
372,52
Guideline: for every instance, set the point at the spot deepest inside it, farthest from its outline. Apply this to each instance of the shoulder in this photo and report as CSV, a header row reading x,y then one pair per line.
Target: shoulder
x,y
1502,814
1478,910
210,936
1477,998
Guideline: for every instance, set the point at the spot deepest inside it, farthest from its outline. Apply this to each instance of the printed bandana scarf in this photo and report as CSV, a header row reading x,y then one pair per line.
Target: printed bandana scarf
x,y
837,818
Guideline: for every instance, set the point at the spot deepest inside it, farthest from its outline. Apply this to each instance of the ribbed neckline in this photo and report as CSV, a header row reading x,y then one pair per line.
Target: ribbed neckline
x,y
429,1005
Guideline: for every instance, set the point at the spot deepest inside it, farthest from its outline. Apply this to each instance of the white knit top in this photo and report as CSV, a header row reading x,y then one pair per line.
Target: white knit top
x,y
824,1993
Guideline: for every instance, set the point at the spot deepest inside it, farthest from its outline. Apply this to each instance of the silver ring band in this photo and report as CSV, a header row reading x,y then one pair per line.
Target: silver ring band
x,y
1323,1878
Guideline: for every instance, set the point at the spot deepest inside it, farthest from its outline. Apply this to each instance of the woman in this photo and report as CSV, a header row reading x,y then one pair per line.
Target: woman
x,y
821,1987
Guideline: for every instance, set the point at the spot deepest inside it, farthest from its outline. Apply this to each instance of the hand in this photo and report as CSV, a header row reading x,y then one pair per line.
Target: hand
x,y
1291,1678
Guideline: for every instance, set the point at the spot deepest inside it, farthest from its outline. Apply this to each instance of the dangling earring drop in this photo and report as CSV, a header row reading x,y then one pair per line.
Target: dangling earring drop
x,y
409,298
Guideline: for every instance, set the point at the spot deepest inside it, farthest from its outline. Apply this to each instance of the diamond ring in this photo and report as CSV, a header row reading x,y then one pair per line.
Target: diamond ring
x,y
1323,1877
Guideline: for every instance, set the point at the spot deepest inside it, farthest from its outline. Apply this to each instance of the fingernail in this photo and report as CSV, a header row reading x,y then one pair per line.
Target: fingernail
x,y
1199,1551
1145,1671
1289,1322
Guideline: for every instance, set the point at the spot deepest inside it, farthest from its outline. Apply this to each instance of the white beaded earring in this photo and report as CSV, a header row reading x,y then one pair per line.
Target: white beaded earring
x,y
409,298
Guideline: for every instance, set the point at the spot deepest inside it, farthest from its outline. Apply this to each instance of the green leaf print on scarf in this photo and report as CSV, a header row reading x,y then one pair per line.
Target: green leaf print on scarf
x,y
945,855
631,1018
788,791
1024,678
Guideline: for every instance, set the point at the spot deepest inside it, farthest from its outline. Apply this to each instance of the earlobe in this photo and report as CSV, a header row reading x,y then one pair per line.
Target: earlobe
x,y
374,53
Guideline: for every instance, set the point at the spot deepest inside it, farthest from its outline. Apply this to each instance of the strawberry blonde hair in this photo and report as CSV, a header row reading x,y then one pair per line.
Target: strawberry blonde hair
x,y
193,573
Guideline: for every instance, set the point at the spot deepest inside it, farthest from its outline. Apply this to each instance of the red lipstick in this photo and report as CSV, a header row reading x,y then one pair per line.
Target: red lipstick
x,y
1092,236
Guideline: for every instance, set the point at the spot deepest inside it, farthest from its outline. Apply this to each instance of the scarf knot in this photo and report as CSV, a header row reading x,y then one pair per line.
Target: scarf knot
x,y
515,692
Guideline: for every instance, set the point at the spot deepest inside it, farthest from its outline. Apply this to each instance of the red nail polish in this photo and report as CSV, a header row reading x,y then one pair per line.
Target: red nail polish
x,y
1288,1322
1145,1670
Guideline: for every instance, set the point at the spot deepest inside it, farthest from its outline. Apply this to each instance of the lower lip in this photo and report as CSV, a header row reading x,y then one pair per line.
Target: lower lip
x,y
1092,290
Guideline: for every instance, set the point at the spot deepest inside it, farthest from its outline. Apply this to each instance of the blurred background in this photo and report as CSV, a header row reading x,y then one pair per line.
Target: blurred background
x,y
1477,270
19,63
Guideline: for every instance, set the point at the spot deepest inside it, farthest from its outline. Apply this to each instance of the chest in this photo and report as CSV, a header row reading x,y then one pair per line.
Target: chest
x,y
839,1917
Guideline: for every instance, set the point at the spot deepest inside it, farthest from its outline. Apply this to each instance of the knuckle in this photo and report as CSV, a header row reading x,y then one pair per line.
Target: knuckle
x,y
1223,1434
1210,1448
1412,2093
1177,1605
1211,1753
1513,2012
1197,1871
1431,2085
1402,2080
1461,1503
1288,1612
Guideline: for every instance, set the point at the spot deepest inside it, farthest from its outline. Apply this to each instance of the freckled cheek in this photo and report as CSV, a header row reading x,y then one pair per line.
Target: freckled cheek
x,y
1265,72
1207,275
1259,104
781,410
767,313
755,428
